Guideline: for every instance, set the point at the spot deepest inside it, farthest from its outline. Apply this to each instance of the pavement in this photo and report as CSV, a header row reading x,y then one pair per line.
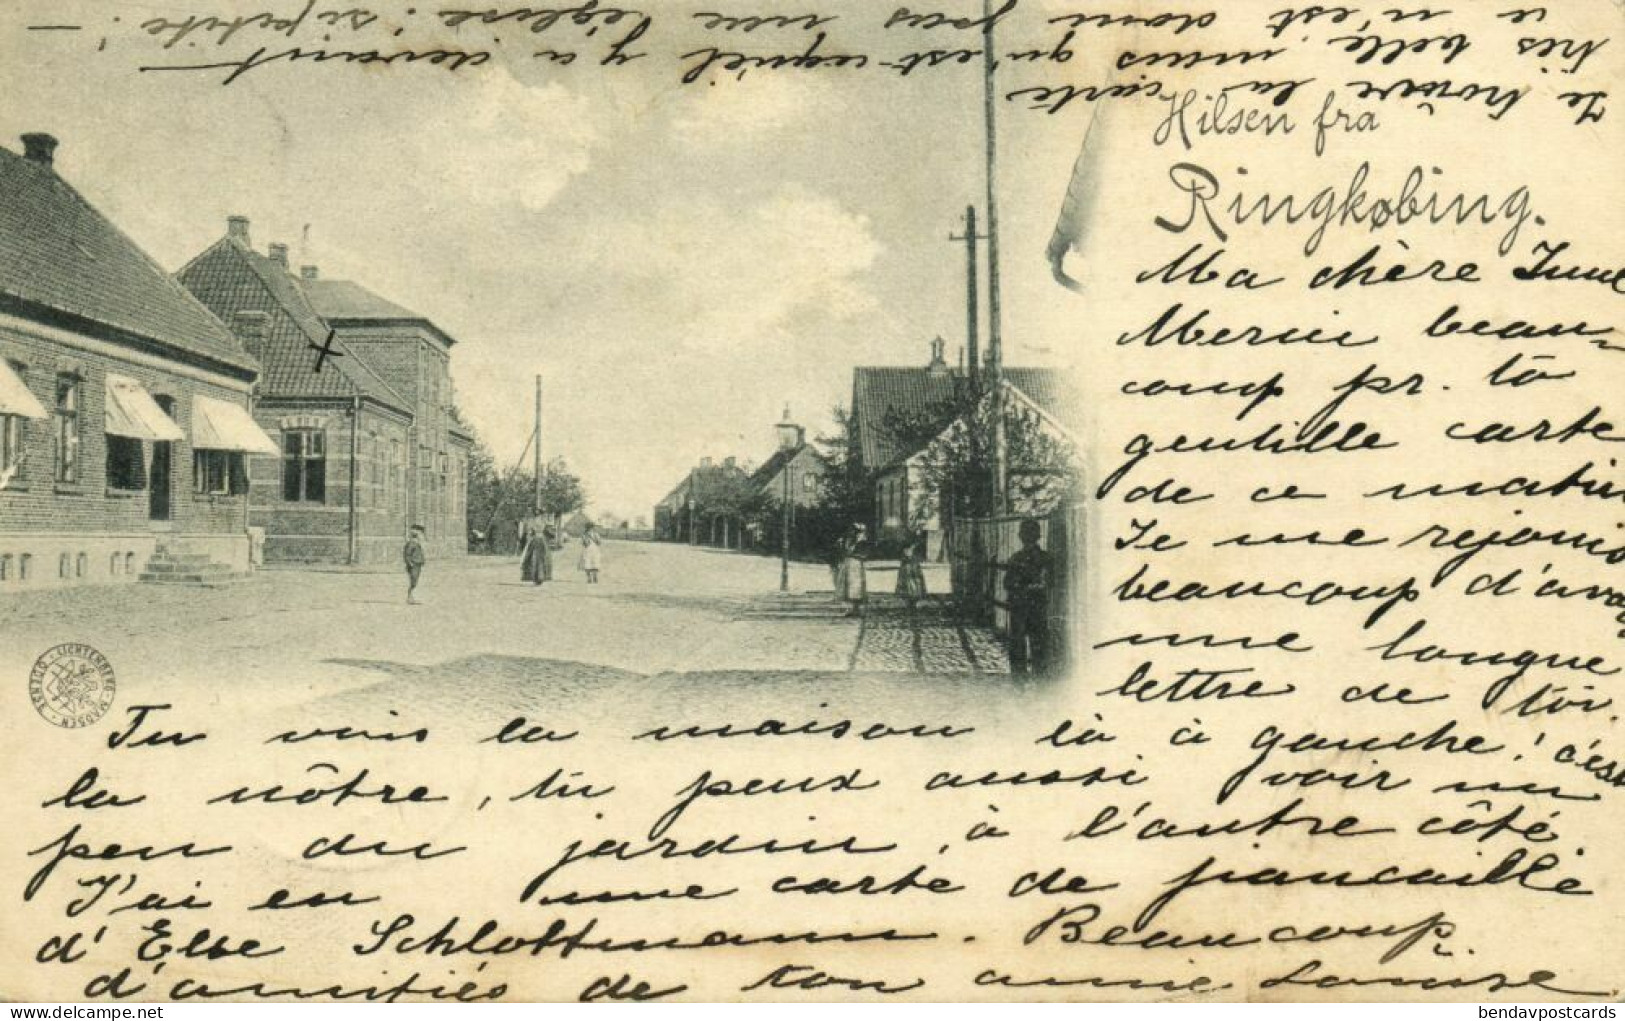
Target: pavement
x,y
663,615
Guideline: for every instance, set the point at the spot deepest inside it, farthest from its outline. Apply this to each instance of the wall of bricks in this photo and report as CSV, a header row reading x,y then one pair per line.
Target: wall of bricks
x,y
311,532
43,519
417,365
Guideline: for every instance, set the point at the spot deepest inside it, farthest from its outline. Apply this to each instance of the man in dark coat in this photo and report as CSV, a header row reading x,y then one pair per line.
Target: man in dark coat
x,y
1027,579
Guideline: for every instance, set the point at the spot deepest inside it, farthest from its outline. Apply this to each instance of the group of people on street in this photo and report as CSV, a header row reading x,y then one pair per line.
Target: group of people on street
x,y
1028,575
537,537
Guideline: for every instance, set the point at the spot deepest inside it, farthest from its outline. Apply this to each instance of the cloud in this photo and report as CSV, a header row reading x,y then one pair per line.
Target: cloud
x,y
511,142
730,276
744,111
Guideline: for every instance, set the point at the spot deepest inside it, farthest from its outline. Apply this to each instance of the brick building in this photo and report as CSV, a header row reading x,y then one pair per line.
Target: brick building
x,y
368,446
124,429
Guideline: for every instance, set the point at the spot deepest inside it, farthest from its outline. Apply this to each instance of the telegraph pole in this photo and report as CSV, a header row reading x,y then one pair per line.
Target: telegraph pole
x,y
537,453
995,345
972,319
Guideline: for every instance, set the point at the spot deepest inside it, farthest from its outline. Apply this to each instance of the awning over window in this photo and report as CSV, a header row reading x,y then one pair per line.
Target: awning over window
x,y
217,425
14,396
132,412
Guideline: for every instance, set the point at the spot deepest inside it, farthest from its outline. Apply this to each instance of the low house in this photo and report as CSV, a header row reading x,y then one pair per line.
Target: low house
x,y
904,418
895,411
1041,419
358,392
124,403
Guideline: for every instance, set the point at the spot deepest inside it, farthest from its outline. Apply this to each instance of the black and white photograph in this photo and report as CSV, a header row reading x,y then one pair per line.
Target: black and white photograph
x,y
997,500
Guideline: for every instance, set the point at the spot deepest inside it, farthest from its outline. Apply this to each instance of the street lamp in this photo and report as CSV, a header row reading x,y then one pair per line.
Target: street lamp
x,y
789,443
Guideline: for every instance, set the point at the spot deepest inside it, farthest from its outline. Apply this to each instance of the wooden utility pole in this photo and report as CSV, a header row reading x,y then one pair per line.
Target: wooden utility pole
x,y
995,345
537,453
972,318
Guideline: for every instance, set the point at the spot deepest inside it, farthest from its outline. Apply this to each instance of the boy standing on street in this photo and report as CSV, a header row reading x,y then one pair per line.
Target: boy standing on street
x,y
413,554
1026,587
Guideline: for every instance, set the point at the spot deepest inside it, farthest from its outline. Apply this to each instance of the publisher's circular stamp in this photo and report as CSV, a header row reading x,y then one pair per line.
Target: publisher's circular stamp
x,y
72,685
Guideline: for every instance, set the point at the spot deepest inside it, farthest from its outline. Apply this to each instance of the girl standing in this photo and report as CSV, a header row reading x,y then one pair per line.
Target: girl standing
x,y
910,575
592,553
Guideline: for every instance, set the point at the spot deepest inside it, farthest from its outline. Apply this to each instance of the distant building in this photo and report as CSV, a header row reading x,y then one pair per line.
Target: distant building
x,y
367,444
124,423
798,471
704,508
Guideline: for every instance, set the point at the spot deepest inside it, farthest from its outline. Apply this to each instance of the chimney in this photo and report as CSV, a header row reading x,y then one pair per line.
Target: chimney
x,y
250,329
40,148
705,462
938,366
237,230
307,272
730,463
279,254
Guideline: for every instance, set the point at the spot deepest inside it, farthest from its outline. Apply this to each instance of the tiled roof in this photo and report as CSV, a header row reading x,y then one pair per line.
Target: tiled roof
x,y
230,278
914,391
1049,389
345,299
59,254
346,302
878,391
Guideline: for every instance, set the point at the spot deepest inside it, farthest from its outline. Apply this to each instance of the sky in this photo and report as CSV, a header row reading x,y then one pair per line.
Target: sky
x,y
679,263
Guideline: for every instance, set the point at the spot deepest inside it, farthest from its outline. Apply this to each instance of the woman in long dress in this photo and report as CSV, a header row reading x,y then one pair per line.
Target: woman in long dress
x,y
910,575
851,582
592,553
537,559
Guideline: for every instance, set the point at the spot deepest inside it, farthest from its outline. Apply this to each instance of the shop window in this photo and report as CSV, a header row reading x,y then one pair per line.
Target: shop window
x,y
126,464
219,473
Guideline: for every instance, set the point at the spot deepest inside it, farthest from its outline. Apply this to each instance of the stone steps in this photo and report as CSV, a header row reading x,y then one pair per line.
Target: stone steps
x,y
178,566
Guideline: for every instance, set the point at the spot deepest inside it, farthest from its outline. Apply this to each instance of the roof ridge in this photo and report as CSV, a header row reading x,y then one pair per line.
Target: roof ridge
x,y
169,279
203,335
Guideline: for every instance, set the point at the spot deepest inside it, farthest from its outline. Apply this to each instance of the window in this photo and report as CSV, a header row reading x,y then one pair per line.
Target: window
x,y
13,437
304,466
67,428
126,466
219,473
11,447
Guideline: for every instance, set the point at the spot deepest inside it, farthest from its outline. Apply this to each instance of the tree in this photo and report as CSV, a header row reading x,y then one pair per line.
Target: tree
x,y
954,460
562,492
845,491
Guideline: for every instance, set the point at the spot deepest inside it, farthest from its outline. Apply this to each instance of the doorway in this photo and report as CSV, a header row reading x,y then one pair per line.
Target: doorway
x,y
158,488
